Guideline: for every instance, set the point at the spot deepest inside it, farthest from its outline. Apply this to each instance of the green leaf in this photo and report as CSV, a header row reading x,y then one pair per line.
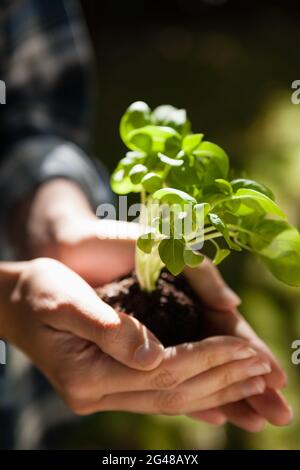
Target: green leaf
x,y
203,206
120,180
169,161
220,225
121,183
200,212
250,184
217,188
278,245
220,255
137,173
224,186
215,160
154,139
145,242
171,253
191,142
131,159
192,258
137,115
187,175
152,182
173,196
253,198
167,115
164,152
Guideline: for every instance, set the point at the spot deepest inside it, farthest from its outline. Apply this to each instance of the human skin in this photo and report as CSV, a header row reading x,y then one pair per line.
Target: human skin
x,y
100,360
57,222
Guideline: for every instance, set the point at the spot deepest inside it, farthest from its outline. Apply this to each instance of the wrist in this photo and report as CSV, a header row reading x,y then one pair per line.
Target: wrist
x,y
10,274
39,224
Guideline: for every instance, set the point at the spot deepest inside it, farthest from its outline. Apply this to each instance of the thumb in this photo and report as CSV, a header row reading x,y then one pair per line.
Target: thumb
x,y
120,336
208,283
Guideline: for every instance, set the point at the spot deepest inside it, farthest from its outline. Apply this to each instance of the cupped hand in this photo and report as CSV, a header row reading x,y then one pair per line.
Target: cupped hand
x,y
100,360
252,413
59,223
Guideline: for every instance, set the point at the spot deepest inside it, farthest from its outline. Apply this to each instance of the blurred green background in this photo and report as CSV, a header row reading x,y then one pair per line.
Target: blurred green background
x,y
231,66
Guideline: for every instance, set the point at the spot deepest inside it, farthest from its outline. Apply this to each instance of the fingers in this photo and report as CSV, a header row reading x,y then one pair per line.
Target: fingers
x,y
252,418
278,377
111,380
131,343
208,283
214,416
235,325
239,413
120,336
100,251
175,403
251,414
232,393
179,364
69,304
242,415
211,288
219,378
272,406
269,406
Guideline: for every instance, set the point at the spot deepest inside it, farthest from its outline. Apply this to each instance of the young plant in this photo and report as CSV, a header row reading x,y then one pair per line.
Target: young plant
x,y
188,200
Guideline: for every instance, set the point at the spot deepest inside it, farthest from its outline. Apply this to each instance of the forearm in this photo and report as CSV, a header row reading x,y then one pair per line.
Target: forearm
x,y
9,275
37,223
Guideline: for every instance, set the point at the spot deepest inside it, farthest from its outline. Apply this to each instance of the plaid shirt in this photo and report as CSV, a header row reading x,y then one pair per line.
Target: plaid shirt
x,y
45,63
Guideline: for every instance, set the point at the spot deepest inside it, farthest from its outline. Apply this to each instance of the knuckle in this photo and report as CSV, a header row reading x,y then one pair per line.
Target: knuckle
x,y
171,403
206,359
164,380
218,346
111,336
227,377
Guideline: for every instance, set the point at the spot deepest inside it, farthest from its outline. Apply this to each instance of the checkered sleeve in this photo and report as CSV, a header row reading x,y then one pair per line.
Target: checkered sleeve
x,y
44,124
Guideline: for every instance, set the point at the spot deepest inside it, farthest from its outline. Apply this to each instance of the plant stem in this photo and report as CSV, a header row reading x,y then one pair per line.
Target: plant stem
x,y
241,229
207,237
197,234
147,266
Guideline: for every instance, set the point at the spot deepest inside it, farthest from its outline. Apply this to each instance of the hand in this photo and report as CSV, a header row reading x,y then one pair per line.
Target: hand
x,y
252,413
57,221
99,360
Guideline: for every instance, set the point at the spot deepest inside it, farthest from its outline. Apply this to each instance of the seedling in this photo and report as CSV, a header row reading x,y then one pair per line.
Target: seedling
x,y
188,200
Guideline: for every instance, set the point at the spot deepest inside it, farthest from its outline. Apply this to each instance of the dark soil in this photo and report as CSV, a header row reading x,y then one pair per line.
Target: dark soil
x,y
172,312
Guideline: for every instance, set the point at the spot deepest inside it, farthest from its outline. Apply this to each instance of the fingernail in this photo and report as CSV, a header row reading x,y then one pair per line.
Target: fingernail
x,y
254,387
148,354
244,353
229,297
259,368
